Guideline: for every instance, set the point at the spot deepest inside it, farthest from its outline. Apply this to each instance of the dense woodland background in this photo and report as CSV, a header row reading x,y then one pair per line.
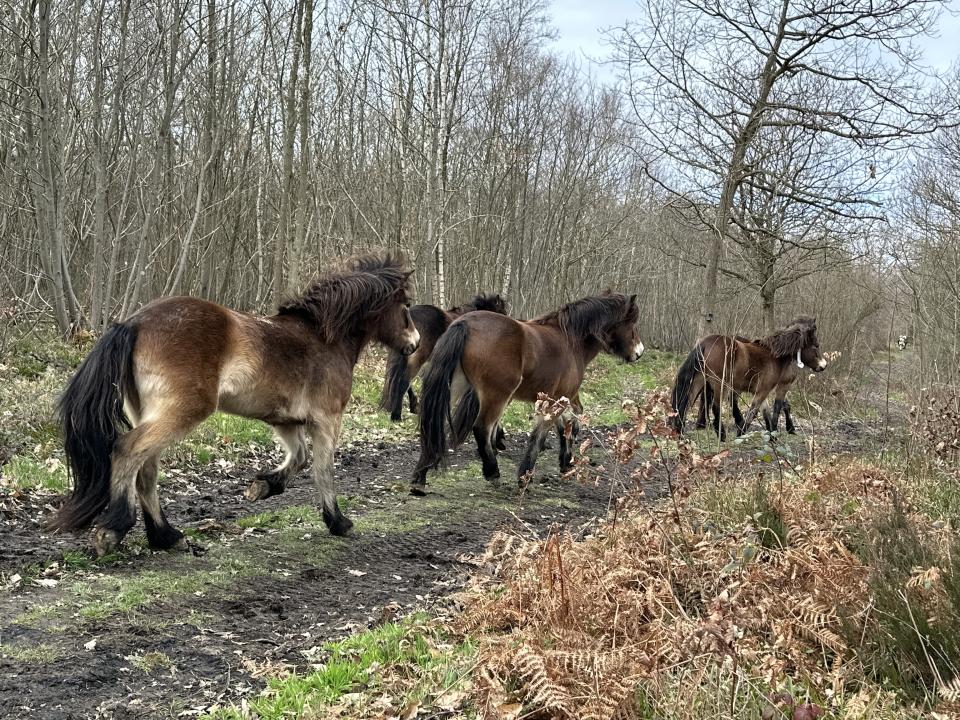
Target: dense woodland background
x,y
756,160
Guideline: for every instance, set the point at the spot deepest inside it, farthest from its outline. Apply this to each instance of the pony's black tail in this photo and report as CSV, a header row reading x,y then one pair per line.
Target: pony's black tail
x,y
395,385
92,417
680,397
435,400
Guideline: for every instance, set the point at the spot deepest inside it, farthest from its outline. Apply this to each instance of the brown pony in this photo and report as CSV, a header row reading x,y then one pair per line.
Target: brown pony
x,y
154,377
432,322
721,365
499,359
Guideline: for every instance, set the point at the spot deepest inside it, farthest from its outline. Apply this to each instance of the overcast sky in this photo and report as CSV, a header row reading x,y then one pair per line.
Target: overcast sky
x,y
579,24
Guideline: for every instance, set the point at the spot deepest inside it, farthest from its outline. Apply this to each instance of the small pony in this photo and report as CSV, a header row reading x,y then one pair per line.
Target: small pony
x,y
154,377
432,322
487,360
722,365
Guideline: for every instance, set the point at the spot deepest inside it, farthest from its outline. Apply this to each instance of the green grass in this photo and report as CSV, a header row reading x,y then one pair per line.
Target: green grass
x,y
35,654
30,473
417,657
105,596
150,662
76,560
229,437
283,518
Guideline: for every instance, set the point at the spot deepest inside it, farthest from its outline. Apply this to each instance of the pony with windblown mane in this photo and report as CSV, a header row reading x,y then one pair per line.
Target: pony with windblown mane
x,y
431,322
721,366
485,360
154,377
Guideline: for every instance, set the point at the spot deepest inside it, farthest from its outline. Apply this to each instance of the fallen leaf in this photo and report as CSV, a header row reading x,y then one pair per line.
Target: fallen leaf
x,y
410,711
46,582
90,645
509,711
358,573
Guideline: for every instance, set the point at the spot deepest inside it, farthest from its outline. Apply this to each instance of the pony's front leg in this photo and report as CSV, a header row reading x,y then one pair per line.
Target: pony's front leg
x,y
275,481
566,444
324,434
788,417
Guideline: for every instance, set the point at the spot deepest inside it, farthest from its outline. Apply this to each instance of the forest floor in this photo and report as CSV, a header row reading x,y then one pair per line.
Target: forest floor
x,y
268,615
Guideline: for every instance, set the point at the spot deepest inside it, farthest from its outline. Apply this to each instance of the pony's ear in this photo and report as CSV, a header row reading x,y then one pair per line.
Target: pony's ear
x,y
633,300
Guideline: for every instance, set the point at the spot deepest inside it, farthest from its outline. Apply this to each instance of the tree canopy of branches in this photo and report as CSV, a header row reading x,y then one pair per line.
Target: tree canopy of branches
x,y
775,122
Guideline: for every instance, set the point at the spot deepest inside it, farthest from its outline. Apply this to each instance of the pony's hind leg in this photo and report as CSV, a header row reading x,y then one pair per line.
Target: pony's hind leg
x,y
412,398
132,451
324,434
492,405
718,427
275,481
706,399
160,533
541,427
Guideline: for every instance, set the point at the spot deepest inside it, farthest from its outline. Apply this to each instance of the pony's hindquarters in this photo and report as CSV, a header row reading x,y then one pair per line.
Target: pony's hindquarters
x,y
687,385
91,414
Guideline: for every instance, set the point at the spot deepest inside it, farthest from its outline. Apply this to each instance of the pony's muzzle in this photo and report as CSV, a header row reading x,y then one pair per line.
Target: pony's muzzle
x,y
413,342
637,352
820,366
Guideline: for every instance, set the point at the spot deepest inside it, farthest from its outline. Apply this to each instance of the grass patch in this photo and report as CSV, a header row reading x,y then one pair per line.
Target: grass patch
x,y
283,518
105,596
408,662
225,436
150,662
37,654
76,560
29,473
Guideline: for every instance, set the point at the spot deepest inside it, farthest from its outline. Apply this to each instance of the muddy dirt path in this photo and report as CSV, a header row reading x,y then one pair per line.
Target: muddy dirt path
x,y
152,635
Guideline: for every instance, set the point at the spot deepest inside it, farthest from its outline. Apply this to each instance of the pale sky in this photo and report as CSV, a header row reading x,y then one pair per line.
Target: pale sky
x,y
579,24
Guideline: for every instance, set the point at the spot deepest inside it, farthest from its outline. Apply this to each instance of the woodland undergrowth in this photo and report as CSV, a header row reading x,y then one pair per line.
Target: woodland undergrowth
x,y
762,589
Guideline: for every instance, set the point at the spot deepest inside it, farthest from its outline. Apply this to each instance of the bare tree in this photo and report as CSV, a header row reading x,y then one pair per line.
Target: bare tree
x,y
708,80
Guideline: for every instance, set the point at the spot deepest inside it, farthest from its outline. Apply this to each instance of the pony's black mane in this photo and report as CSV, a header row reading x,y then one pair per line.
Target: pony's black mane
x,y
491,302
592,316
800,333
338,303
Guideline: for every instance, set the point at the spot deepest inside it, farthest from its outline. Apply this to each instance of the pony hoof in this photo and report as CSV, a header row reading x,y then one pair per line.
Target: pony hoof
x,y
105,541
168,538
262,488
395,417
341,526
418,490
